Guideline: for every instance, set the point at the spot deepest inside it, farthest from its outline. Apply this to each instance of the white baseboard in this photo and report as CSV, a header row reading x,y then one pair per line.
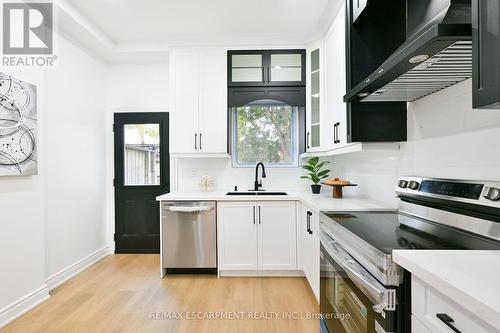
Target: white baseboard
x,y
262,273
23,305
67,273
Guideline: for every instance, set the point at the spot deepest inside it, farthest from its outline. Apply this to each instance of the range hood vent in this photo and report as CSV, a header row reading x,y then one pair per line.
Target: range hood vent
x,y
437,55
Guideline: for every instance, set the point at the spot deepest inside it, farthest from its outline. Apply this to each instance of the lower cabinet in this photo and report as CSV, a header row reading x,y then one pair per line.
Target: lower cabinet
x,y
257,235
310,248
434,312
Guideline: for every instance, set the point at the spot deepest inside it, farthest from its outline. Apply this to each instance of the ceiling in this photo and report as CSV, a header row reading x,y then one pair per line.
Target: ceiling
x,y
133,24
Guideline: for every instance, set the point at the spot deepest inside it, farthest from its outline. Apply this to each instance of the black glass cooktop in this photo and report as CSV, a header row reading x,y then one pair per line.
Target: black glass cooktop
x,y
389,231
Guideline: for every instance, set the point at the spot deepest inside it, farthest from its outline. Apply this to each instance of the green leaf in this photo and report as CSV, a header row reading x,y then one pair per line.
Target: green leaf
x,y
308,168
315,179
320,165
324,176
313,161
323,173
305,177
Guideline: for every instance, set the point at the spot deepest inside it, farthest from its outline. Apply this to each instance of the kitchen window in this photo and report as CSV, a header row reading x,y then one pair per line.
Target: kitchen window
x,y
264,131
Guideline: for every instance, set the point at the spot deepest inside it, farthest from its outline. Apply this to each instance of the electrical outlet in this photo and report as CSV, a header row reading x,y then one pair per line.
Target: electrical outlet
x,y
194,172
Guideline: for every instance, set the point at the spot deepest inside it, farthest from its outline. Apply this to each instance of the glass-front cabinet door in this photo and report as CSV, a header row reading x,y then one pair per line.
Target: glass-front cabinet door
x,y
314,100
266,68
246,68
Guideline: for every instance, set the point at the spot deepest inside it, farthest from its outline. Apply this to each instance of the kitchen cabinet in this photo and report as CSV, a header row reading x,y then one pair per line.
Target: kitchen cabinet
x,y
266,68
365,52
310,248
315,98
335,73
198,101
237,235
435,312
486,54
257,235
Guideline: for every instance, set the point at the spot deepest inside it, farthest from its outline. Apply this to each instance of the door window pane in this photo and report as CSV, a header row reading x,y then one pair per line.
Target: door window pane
x,y
286,67
142,154
246,68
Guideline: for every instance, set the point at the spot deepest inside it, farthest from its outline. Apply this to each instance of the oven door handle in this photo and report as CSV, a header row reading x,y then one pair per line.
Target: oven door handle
x,y
384,299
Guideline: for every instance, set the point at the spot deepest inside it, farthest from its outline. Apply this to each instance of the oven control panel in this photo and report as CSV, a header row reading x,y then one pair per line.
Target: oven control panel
x,y
484,193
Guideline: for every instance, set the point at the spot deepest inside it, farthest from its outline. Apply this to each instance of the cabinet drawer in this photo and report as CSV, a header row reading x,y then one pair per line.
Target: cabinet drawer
x,y
428,302
417,326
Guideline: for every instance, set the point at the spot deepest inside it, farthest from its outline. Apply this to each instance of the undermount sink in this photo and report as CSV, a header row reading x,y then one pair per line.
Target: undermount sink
x,y
255,193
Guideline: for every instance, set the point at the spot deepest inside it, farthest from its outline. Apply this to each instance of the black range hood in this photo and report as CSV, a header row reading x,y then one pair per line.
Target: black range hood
x,y
436,54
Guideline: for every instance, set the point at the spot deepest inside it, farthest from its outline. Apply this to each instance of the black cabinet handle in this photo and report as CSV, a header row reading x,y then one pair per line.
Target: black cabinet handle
x,y
337,130
196,141
260,221
200,141
335,133
309,214
253,214
307,140
448,321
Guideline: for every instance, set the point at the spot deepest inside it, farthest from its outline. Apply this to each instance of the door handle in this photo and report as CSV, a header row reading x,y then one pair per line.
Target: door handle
x,y
260,221
195,141
200,142
448,321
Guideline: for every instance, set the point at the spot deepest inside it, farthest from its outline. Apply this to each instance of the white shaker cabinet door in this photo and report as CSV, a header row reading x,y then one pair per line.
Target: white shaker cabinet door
x,y
213,101
237,235
277,241
184,101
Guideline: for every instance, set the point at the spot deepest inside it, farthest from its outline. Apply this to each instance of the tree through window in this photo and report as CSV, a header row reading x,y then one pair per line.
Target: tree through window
x,y
265,131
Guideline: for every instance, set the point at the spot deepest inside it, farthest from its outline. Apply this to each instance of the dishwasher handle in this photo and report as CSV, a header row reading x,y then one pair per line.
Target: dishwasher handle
x,y
189,209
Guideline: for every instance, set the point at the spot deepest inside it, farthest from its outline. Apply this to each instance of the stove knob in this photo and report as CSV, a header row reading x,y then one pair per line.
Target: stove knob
x,y
492,193
403,184
414,185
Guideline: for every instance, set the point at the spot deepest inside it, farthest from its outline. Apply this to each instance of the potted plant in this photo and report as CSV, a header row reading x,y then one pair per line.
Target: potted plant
x,y
316,173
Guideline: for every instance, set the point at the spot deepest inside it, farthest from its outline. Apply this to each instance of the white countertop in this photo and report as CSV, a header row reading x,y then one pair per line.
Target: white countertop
x,y
315,202
471,278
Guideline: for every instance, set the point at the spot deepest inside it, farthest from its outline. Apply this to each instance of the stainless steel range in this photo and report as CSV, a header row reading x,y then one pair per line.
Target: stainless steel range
x,y
361,288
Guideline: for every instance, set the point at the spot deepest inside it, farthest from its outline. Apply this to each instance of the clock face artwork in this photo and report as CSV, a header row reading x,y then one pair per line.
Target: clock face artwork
x,y
18,127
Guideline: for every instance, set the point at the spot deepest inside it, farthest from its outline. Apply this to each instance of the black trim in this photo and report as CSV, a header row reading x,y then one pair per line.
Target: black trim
x,y
431,42
191,270
472,210
294,96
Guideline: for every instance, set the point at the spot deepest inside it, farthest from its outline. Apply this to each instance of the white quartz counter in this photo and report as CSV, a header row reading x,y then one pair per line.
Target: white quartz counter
x,y
315,202
469,277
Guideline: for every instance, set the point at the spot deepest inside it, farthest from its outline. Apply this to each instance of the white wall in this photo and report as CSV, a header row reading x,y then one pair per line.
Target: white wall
x,y
226,177
138,87
22,240
446,138
75,177
53,221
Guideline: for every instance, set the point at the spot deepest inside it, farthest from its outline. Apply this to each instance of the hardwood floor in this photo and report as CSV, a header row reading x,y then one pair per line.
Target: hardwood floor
x,y
123,293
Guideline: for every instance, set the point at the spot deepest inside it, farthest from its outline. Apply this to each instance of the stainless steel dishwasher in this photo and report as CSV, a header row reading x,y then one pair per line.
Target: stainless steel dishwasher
x,y
189,237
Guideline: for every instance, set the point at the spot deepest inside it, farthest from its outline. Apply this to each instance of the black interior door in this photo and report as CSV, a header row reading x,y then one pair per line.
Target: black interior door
x,y
141,174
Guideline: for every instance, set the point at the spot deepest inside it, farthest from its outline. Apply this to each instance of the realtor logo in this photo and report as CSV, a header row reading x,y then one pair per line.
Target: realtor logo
x,y
27,28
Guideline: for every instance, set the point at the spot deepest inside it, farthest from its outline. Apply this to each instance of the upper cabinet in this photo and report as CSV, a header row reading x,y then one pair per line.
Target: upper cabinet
x,y
314,104
266,68
198,101
486,53
370,40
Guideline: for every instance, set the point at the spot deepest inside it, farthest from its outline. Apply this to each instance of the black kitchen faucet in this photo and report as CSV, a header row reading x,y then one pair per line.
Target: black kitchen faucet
x,y
258,184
